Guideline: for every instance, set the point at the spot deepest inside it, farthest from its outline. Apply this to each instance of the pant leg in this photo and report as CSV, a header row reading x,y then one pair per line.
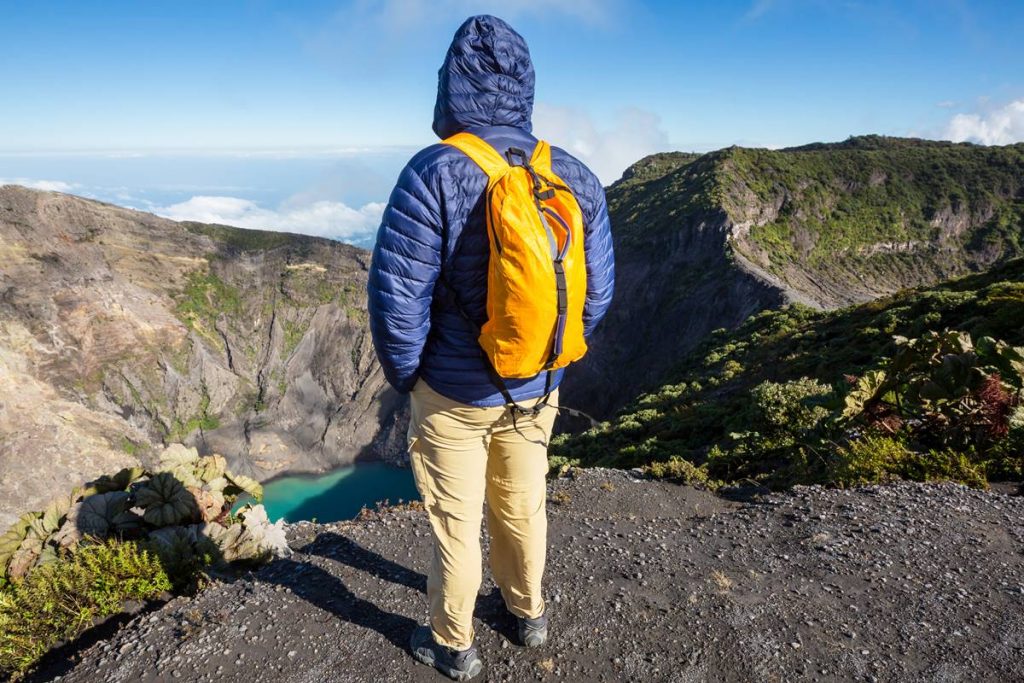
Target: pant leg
x,y
517,467
448,455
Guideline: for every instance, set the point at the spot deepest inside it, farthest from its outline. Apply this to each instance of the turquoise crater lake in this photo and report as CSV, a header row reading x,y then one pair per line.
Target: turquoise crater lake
x,y
338,494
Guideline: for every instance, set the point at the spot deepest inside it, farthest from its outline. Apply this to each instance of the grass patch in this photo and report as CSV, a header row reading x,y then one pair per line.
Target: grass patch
x,y
203,301
244,239
293,333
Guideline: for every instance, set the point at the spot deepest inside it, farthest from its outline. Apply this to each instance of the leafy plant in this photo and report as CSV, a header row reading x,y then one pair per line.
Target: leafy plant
x,y
788,425
943,390
184,491
131,535
166,501
678,470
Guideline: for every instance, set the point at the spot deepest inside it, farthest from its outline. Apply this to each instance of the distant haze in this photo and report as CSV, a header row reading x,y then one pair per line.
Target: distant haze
x,y
340,195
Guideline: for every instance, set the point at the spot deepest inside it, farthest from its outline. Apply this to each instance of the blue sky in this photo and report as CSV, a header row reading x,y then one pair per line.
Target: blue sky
x,y
291,105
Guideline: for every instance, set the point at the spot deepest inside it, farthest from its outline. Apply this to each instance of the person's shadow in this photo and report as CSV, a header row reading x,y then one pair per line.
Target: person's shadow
x,y
326,591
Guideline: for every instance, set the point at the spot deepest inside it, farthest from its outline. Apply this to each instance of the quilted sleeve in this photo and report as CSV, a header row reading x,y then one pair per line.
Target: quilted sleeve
x,y
597,244
406,264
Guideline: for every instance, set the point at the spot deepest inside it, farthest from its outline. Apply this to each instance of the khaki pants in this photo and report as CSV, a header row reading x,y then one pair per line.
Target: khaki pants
x,y
460,456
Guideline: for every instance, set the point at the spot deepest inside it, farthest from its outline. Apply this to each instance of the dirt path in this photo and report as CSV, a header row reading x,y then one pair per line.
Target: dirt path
x,y
647,581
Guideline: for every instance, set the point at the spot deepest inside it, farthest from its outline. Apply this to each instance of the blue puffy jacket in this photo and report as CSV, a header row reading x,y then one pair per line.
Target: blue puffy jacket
x,y
433,234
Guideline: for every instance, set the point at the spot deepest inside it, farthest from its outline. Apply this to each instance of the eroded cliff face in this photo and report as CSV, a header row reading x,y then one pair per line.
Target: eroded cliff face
x,y
121,331
676,280
669,294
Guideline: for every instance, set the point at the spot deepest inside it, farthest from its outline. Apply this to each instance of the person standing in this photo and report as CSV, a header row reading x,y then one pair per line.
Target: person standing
x,y
478,336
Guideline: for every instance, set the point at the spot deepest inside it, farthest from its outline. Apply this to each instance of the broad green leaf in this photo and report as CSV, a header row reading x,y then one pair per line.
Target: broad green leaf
x,y
12,539
119,482
211,467
178,455
165,500
53,515
241,484
97,515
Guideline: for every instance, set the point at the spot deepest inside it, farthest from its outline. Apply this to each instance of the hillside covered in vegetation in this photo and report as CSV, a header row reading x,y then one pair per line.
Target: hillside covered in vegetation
x,y
705,241
923,383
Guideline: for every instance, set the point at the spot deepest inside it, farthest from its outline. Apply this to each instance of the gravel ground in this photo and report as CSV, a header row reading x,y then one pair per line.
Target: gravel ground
x,y
646,581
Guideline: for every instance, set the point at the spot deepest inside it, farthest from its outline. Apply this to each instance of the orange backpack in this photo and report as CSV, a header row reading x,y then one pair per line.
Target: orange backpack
x,y
537,274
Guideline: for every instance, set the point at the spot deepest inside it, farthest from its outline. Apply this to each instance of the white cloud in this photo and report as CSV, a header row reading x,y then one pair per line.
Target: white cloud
x,y
608,151
1000,126
322,218
49,185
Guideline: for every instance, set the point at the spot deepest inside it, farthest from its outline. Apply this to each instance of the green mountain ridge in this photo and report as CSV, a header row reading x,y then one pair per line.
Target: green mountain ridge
x,y
704,241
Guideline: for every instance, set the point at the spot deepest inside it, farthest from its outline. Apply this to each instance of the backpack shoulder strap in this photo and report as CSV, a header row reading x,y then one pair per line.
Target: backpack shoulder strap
x,y
477,149
541,159
541,162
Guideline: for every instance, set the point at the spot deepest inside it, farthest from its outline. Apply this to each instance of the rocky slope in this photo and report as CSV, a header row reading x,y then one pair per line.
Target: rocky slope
x,y
645,581
702,242
121,331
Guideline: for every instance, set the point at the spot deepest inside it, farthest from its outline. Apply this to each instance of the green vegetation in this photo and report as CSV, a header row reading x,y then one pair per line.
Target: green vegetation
x,y
204,300
353,299
63,598
293,333
773,403
203,419
244,239
655,166
660,196
879,190
890,209
130,536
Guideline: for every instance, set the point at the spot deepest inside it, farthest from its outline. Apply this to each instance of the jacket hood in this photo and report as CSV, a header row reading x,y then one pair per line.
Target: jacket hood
x,y
487,79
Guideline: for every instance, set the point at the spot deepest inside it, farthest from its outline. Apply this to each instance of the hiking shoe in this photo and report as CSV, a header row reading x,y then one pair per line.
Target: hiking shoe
x,y
459,665
533,632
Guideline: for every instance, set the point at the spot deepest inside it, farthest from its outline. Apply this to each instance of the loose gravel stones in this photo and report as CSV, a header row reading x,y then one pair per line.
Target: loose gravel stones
x,y
645,581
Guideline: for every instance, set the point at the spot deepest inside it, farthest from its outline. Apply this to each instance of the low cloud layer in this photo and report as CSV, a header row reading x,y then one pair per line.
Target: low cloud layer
x,y
36,184
1000,126
608,151
322,218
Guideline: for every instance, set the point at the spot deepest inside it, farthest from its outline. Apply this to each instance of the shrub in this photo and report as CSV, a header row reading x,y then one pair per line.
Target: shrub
x,y
786,411
946,465
869,460
678,470
717,401
787,422
60,600
879,459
